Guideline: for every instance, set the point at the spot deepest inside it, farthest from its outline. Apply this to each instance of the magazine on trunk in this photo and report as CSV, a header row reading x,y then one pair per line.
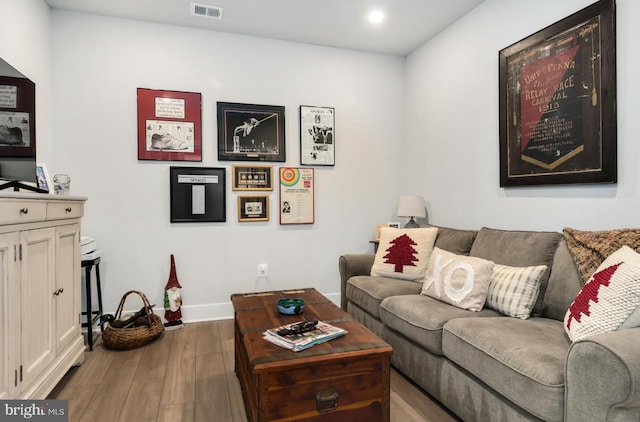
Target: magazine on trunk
x,y
302,335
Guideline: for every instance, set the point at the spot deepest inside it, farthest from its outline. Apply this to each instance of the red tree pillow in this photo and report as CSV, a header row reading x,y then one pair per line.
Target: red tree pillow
x,y
610,300
404,253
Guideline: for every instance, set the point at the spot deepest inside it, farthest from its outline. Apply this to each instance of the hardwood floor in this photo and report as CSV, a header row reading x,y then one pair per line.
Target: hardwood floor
x,y
188,375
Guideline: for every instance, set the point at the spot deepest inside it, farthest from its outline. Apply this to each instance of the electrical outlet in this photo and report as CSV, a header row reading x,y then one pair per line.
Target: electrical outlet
x,y
262,270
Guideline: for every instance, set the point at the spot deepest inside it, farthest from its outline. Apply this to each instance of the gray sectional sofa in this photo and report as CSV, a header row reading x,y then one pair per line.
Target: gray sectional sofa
x,y
484,366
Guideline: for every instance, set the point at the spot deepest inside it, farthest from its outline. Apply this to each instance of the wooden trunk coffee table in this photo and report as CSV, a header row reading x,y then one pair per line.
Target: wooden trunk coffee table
x,y
345,379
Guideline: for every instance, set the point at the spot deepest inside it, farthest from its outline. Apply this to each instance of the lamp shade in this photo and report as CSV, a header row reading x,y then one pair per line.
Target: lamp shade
x,y
411,206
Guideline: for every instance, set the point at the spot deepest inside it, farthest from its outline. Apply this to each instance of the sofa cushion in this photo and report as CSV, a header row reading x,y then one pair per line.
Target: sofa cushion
x,y
455,240
514,290
518,249
459,280
521,359
590,248
564,284
367,292
421,318
610,300
404,253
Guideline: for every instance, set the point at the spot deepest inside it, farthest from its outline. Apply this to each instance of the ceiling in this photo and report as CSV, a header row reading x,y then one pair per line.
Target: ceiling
x,y
334,23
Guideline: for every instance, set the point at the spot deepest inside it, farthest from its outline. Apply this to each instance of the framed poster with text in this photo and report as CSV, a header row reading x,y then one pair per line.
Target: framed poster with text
x,y
169,125
317,136
17,117
558,102
296,195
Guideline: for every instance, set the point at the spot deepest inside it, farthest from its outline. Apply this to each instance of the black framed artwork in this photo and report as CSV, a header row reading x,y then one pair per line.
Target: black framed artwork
x,y
251,132
558,102
198,194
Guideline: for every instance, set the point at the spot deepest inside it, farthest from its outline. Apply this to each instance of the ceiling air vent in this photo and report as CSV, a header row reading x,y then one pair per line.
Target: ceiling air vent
x,y
213,12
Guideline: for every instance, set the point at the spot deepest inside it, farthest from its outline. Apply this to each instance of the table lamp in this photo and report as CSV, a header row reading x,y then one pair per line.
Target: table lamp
x,y
411,206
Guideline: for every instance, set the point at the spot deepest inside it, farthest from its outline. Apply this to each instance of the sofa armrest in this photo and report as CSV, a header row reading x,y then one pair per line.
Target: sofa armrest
x,y
352,265
602,377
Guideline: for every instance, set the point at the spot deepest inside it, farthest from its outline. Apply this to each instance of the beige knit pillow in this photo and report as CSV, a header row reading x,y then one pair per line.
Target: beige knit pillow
x,y
590,248
404,253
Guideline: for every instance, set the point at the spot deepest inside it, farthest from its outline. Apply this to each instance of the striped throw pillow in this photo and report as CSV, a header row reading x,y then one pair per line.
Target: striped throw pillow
x,y
513,290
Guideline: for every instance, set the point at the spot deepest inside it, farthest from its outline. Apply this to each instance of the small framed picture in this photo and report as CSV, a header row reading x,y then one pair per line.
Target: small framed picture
x,y
253,208
43,178
317,136
252,177
395,225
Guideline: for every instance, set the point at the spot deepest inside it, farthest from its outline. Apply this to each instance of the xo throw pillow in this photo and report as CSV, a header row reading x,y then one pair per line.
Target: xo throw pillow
x,y
459,280
404,253
610,300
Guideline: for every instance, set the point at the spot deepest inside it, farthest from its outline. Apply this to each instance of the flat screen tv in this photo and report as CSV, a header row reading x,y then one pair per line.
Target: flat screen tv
x,y
17,130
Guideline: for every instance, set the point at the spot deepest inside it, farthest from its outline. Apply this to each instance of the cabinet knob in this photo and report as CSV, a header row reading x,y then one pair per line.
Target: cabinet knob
x,y
68,209
57,292
24,210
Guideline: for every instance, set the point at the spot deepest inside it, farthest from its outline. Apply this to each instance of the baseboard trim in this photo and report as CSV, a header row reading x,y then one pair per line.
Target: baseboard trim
x,y
216,311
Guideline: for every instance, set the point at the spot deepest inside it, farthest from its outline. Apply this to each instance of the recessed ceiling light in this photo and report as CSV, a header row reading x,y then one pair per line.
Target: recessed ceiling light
x,y
376,16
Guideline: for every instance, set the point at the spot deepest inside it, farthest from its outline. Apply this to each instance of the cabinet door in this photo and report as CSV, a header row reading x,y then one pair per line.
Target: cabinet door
x,y
9,304
37,275
66,303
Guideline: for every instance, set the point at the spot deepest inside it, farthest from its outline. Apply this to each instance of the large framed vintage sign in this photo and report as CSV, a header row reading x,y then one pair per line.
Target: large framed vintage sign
x,y
558,102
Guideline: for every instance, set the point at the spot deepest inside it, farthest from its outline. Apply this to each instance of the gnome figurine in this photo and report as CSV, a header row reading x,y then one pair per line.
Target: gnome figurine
x,y
173,300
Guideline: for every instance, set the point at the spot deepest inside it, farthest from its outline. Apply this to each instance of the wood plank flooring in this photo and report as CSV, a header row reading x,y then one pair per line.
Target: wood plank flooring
x,y
188,375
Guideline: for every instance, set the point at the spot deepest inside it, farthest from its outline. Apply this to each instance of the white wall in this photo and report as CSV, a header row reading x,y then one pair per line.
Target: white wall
x,y
452,126
428,125
24,44
98,64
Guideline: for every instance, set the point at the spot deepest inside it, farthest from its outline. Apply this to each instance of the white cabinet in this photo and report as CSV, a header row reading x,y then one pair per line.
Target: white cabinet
x,y
40,333
67,288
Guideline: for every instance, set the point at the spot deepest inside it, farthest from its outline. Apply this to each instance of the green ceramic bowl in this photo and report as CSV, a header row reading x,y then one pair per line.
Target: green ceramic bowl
x,y
290,306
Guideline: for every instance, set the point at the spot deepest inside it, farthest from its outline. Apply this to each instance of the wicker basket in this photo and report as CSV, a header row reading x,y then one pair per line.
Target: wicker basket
x,y
130,338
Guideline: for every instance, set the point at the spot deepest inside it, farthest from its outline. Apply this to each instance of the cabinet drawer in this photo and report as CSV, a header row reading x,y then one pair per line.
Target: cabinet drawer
x,y
59,210
20,211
